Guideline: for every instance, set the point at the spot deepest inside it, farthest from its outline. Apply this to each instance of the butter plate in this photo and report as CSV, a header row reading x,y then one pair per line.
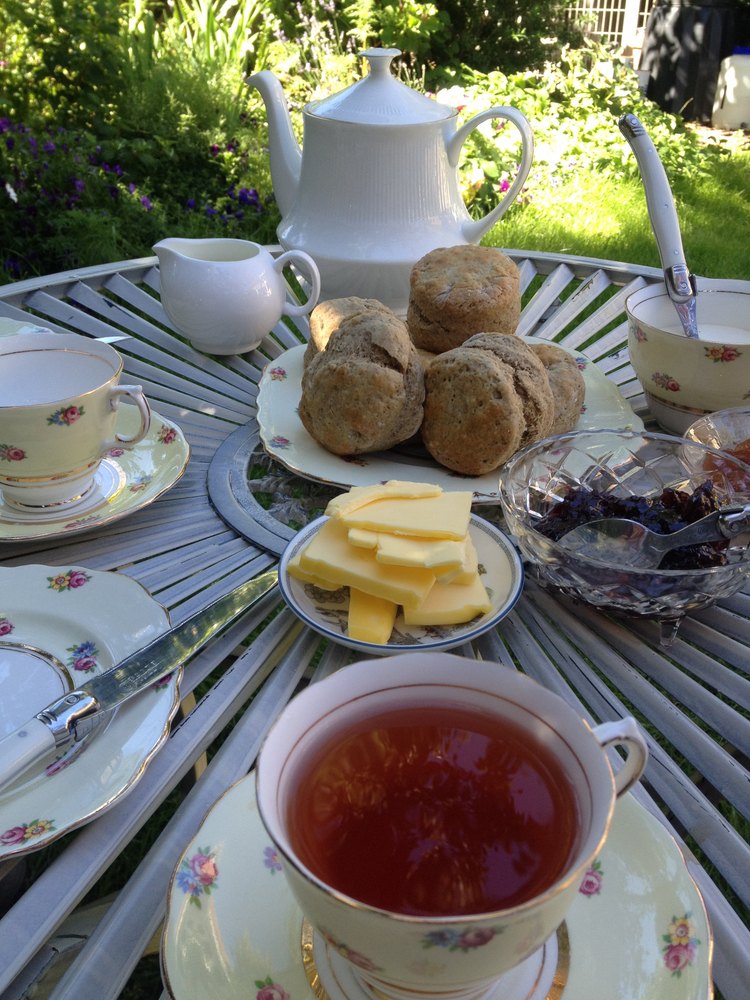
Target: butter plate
x,y
125,482
233,931
60,625
284,437
327,612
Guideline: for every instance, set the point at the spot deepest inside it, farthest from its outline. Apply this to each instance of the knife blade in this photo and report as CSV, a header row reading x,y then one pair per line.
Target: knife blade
x,y
664,222
77,713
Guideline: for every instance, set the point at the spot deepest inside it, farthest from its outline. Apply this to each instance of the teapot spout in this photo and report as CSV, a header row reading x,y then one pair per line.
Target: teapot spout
x,y
285,152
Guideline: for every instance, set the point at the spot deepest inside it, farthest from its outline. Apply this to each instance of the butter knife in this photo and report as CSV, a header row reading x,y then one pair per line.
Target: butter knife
x,y
664,222
77,713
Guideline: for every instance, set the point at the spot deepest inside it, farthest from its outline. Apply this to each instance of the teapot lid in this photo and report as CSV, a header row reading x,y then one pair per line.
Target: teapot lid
x,y
380,99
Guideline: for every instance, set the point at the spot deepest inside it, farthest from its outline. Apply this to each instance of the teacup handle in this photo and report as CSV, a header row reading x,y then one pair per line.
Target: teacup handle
x,y
280,263
134,392
472,232
625,732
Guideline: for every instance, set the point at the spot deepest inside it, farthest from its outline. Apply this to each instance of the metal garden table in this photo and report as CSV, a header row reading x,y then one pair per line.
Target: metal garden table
x,y
186,553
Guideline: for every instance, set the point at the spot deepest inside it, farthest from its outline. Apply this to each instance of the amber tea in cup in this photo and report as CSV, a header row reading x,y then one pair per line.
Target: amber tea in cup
x,y
433,811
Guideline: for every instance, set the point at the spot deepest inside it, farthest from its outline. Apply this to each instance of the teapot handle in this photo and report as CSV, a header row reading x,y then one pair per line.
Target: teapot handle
x,y
280,263
473,231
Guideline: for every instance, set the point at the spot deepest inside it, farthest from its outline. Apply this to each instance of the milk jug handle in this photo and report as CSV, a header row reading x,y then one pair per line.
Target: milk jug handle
x,y
473,231
310,266
625,732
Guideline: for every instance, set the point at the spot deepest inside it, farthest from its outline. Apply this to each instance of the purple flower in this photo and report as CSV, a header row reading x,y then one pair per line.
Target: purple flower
x,y
214,150
146,203
210,211
106,167
32,142
117,169
93,159
131,187
239,214
113,191
190,203
271,859
78,185
10,143
49,147
5,124
248,196
98,149
504,186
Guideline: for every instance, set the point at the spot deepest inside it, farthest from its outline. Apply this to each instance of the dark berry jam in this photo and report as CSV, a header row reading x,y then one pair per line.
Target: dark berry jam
x,y
673,510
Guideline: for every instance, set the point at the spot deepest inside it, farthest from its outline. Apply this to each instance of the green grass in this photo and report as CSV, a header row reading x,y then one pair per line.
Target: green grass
x,y
596,215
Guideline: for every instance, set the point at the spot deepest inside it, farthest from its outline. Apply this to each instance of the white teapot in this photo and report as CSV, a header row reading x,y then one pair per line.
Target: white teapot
x,y
375,186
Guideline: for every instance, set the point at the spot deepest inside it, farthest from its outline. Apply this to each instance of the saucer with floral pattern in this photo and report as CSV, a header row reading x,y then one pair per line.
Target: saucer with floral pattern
x,y
126,481
60,626
637,929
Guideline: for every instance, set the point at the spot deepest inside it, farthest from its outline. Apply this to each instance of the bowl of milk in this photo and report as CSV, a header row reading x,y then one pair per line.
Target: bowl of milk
x,y
682,377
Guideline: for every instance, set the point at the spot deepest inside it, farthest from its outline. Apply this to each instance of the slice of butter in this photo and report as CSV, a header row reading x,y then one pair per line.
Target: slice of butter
x,y
330,556
293,568
444,516
358,496
464,574
363,539
370,618
450,605
406,550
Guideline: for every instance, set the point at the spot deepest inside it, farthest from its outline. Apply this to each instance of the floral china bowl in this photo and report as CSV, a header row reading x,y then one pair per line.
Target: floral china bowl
x,y
327,611
684,378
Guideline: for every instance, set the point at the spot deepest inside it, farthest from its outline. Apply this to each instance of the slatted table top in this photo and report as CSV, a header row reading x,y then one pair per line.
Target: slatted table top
x,y
696,697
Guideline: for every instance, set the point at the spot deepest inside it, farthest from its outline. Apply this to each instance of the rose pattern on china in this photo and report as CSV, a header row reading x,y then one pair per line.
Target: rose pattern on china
x,y
83,657
582,364
280,442
162,682
197,875
116,452
269,990
6,626
167,434
26,831
81,522
592,880
71,580
640,335
722,353
463,941
277,374
139,483
65,760
271,860
681,947
355,957
66,416
10,453
666,382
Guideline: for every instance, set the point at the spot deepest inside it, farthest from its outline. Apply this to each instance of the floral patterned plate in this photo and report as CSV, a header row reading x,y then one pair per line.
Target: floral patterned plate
x,y
60,625
327,611
233,931
125,482
285,438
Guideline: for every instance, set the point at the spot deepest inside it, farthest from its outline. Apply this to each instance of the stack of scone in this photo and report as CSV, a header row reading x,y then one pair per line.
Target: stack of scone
x,y
397,544
457,372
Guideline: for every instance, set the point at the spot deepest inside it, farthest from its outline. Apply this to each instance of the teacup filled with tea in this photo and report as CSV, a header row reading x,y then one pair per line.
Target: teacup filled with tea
x,y
435,817
59,395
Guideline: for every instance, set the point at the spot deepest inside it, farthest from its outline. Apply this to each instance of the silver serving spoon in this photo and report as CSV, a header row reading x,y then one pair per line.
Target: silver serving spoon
x,y
663,215
630,545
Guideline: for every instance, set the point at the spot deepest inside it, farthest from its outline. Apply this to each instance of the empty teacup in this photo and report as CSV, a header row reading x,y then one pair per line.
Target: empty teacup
x,y
435,817
59,395
225,295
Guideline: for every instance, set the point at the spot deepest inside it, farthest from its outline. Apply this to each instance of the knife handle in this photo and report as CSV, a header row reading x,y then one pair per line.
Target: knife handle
x,y
660,203
22,748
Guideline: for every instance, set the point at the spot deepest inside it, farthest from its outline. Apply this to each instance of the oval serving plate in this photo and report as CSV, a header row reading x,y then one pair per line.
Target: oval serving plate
x,y
285,438
60,625
327,612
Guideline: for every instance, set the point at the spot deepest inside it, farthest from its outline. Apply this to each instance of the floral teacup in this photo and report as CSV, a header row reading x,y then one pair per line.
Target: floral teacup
x,y
684,378
59,395
450,957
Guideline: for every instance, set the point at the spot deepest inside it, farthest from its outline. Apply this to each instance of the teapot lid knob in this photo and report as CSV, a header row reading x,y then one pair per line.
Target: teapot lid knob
x,y
380,60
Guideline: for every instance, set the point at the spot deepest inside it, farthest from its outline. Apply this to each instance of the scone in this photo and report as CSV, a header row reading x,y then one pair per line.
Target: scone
x,y
566,383
456,292
328,316
365,391
529,380
473,416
